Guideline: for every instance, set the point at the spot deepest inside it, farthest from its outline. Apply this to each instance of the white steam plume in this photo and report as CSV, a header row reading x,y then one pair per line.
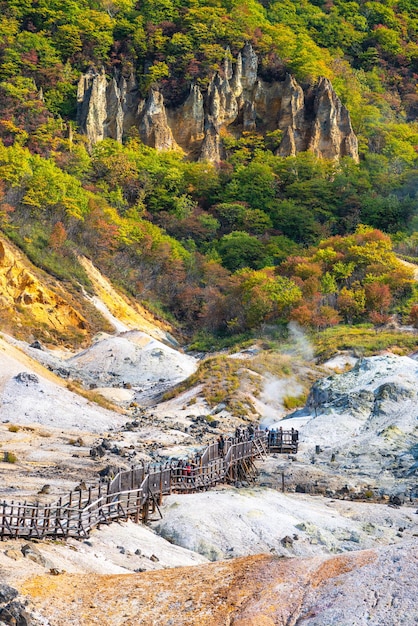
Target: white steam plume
x,y
301,346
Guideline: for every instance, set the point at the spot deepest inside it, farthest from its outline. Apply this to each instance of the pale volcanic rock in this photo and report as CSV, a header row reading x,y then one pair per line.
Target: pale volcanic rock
x,y
37,400
238,522
379,393
113,124
324,561
188,123
92,104
331,135
106,108
365,423
132,358
254,591
154,126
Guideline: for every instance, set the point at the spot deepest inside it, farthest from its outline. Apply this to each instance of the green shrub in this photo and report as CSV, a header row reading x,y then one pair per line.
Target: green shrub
x,y
362,340
294,402
9,457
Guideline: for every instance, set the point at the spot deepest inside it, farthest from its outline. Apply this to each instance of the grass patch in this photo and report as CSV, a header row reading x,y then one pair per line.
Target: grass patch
x,y
363,340
241,408
93,396
294,402
273,362
13,428
206,342
219,378
287,367
9,457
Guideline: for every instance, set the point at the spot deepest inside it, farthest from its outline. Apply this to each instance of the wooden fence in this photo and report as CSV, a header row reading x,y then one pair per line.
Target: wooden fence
x,y
133,493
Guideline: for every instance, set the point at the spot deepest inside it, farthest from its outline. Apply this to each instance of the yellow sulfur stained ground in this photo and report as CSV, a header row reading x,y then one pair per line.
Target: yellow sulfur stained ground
x,y
254,591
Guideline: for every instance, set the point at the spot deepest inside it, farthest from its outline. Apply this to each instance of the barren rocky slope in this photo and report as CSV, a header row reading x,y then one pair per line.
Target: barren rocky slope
x,y
33,305
254,591
298,533
369,420
338,547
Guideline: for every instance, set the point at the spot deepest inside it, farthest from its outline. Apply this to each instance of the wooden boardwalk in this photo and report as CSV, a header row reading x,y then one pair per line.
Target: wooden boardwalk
x,y
132,494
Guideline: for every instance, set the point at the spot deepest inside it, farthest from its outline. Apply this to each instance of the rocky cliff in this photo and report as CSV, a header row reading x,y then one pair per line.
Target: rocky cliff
x,y
35,305
28,305
236,100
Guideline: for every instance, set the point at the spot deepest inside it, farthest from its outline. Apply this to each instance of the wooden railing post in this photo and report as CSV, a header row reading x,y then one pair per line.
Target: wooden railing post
x,y
3,514
11,517
160,495
47,515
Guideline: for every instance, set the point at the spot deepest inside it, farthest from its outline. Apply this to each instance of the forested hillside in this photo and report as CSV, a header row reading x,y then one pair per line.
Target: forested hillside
x,y
255,238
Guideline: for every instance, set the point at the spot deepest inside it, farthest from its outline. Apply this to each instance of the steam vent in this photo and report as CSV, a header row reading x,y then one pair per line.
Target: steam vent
x,y
235,102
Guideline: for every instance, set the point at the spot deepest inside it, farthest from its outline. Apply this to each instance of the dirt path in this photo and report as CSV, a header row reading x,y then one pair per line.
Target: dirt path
x,y
411,266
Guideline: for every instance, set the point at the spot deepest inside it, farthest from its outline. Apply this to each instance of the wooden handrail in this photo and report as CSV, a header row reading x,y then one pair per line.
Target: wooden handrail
x,y
84,510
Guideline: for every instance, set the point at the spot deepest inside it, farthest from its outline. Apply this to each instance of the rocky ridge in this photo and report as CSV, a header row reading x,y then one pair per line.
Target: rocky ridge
x,y
362,425
237,100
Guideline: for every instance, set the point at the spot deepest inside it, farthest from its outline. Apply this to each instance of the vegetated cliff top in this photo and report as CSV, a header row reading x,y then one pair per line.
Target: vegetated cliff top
x,y
179,42
176,235
368,51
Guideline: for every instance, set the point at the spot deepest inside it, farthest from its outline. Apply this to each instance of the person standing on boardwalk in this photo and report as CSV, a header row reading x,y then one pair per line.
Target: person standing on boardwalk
x,y
187,471
221,445
280,438
295,437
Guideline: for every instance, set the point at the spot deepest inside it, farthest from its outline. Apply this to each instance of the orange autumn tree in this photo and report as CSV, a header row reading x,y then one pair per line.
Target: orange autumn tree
x,y
356,277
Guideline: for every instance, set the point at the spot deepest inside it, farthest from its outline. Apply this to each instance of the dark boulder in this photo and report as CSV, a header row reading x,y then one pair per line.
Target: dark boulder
x,y
36,344
7,593
15,614
27,378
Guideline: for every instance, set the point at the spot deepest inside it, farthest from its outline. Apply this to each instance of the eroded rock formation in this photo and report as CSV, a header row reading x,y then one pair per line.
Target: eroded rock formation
x,y
235,101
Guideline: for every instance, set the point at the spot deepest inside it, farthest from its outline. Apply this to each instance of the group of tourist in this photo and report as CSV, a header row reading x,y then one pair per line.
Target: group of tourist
x,y
277,438
185,469
242,433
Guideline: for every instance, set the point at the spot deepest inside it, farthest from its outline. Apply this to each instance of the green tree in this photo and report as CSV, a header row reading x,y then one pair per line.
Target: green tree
x,y
253,184
265,296
239,249
351,303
